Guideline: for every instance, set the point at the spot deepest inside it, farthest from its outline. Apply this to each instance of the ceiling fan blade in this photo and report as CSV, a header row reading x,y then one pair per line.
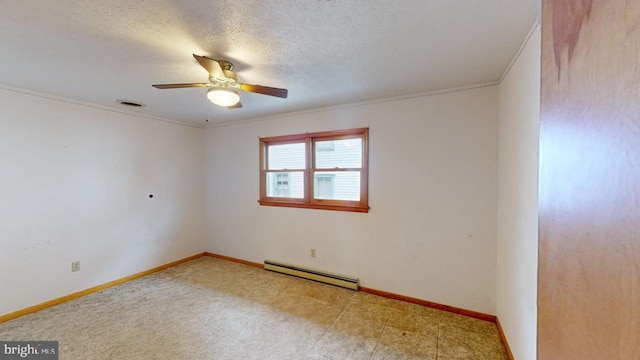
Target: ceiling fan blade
x,y
179,86
212,66
265,90
236,106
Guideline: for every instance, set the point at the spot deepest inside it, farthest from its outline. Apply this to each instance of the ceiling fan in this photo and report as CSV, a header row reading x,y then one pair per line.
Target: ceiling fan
x,y
224,84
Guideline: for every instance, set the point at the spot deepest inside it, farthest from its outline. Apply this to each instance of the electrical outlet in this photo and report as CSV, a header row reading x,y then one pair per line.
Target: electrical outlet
x,y
313,253
75,266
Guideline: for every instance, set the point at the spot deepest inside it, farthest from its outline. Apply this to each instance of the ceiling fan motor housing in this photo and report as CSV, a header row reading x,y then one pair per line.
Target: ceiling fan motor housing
x,y
231,80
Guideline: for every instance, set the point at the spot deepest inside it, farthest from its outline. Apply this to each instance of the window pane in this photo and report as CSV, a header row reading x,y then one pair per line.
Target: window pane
x,y
287,156
337,185
285,184
339,153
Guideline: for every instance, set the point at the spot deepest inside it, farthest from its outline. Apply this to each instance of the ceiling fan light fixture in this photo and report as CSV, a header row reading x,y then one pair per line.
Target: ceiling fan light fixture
x,y
223,96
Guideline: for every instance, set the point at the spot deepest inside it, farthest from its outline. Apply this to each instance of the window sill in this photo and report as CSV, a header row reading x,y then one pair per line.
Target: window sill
x,y
315,206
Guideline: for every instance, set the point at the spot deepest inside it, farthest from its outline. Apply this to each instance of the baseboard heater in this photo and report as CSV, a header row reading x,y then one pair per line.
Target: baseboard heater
x,y
311,274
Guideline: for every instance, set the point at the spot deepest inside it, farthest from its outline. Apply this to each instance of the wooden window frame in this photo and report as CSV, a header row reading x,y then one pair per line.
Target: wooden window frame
x,y
308,202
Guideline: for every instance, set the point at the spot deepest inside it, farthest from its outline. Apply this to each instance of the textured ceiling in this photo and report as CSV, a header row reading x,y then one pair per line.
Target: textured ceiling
x,y
325,52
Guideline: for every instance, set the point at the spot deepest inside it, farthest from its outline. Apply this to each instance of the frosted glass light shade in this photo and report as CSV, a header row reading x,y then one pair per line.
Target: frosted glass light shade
x,y
223,96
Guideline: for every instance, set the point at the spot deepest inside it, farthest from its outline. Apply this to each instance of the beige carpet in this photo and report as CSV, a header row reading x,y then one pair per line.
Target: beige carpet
x,y
215,309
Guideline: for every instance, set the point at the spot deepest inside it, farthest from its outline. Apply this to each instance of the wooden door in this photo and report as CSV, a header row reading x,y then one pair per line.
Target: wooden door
x,y
589,251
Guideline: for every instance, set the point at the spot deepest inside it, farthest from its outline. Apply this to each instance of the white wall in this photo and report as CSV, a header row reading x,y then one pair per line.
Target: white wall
x,y
74,182
431,230
517,251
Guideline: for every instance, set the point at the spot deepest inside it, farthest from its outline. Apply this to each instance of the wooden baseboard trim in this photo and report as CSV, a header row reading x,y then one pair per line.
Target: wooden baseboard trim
x,y
240,261
453,309
75,295
504,340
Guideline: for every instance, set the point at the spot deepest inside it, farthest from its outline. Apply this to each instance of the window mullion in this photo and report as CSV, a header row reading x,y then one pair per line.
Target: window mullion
x,y
265,156
308,172
263,170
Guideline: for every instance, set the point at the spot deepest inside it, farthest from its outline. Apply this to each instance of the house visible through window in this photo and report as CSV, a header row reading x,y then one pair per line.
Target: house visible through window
x,y
282,185
324,187
325,146
325,170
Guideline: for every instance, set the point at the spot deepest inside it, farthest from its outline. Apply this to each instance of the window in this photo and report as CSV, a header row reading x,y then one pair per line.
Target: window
x,y
327,170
